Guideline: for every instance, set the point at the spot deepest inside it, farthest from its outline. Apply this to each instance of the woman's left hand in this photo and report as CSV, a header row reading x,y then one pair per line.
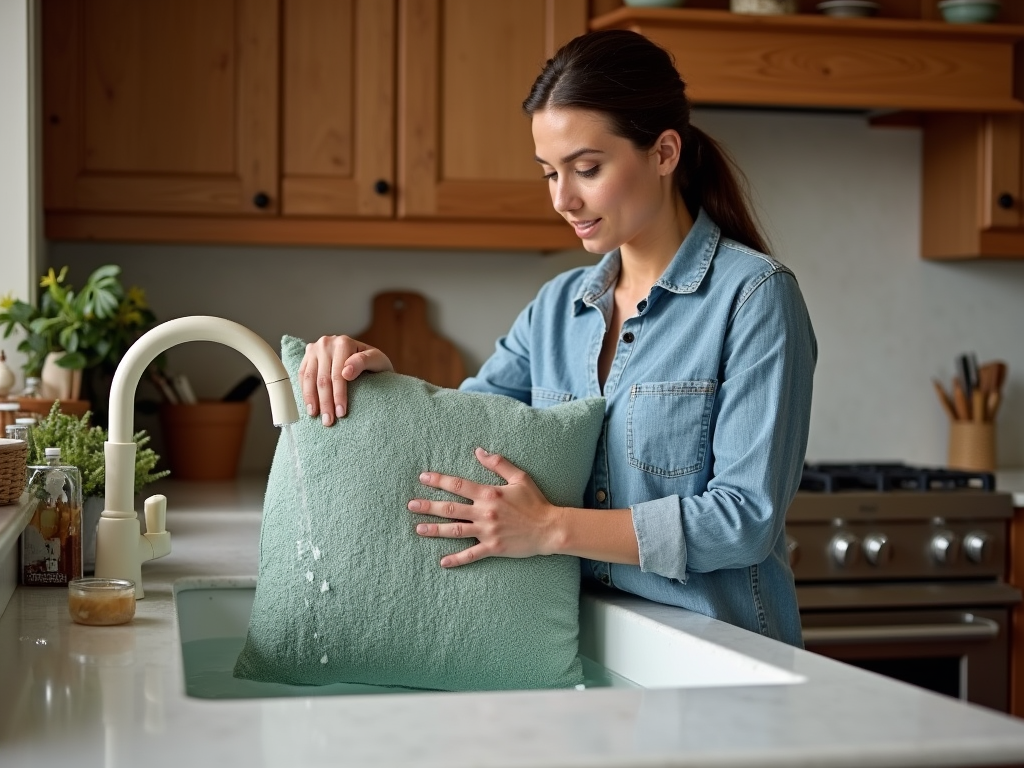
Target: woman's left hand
x,y
513,520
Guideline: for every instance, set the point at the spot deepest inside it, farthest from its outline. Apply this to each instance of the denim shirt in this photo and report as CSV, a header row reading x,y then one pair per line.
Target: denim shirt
x,y
708,404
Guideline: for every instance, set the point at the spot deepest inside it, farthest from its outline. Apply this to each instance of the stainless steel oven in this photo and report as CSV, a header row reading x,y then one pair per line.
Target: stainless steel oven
x,y
900,570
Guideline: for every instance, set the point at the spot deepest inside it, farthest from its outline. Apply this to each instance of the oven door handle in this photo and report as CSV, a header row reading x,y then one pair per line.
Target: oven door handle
x,y
971,628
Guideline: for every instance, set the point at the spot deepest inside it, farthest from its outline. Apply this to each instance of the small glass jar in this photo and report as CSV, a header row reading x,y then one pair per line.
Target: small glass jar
x,y
101,602
16,431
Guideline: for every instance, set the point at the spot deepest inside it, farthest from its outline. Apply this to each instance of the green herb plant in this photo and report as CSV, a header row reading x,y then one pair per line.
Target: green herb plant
x,y
81,445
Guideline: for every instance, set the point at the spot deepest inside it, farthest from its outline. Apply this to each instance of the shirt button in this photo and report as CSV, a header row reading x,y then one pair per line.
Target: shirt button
x,y
606,579
628,337
642,305
601,496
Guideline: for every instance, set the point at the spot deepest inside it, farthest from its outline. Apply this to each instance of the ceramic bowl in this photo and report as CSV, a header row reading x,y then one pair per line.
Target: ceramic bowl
x,y
848,9
969,11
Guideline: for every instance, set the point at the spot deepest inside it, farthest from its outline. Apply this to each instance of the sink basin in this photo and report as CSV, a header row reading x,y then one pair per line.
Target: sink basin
x,y
620,648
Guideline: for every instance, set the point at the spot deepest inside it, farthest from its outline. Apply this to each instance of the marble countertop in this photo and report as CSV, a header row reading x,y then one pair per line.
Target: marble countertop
x,y
114,696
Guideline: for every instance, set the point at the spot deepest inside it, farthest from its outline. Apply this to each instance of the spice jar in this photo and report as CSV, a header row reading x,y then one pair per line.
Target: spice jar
x,y
51,544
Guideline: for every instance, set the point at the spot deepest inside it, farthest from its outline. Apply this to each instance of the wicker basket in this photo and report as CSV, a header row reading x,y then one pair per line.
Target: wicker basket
x,y
13,470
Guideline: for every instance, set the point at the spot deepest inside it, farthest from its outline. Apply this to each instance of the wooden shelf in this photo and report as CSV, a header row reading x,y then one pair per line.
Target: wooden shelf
x,y
807,60
244,230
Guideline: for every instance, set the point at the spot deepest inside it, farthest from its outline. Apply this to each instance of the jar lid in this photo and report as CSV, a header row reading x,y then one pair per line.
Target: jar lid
x,y
9,406
25,420
52,453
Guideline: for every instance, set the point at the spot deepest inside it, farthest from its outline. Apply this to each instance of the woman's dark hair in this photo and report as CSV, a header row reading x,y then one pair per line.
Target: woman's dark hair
x,y
635,84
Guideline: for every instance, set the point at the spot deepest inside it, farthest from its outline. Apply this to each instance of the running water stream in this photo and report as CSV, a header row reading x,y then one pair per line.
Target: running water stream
x,y
308,554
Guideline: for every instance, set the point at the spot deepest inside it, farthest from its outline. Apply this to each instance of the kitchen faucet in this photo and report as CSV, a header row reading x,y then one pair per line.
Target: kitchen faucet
x,y
121,548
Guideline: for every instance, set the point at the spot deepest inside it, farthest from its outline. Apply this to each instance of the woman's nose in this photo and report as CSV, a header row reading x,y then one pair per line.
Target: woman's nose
x,y
564,197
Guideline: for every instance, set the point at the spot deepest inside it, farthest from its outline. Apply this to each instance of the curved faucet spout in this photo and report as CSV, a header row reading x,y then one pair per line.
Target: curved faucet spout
x,y
120,547
197,328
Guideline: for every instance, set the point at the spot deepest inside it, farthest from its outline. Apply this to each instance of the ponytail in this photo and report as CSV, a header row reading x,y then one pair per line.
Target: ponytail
x,y
709,178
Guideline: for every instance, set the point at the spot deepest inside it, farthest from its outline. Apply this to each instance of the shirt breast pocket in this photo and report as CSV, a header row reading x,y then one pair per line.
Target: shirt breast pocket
x,y
667,426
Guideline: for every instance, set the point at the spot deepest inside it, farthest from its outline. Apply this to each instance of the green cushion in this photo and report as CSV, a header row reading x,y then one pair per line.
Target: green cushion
x,y
369,602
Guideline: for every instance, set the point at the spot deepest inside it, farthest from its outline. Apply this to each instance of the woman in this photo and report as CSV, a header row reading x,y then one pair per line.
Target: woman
x,y
700,343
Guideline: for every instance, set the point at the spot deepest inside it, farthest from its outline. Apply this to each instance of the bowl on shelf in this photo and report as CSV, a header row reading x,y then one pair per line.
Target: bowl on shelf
x,y
848,9
969,11
654,3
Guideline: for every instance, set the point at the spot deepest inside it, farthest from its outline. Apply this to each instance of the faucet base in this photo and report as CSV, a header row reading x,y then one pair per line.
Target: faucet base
x,y
117,550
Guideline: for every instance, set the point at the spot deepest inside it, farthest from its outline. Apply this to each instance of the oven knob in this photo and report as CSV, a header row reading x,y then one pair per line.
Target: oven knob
x,y
978,546
945,547
844,549
793,547
877,548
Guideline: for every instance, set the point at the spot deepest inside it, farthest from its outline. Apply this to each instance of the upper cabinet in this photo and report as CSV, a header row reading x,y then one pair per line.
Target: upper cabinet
x,y
907,59
973,187
160,107
343,122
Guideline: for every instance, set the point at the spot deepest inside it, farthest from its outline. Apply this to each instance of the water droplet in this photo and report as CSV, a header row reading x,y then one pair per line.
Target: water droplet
x,y
323,659
316,635
40,641
316,553
325,586
309,576
307,602
581,687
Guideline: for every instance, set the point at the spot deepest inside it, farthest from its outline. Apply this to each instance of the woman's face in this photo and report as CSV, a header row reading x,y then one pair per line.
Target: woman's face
x,y
612,193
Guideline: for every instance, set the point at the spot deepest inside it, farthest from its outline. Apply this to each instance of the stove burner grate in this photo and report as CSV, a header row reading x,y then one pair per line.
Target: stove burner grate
x,y
835,478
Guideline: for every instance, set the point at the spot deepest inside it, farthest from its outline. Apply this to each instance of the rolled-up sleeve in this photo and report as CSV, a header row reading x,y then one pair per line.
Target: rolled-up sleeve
x,y
758,440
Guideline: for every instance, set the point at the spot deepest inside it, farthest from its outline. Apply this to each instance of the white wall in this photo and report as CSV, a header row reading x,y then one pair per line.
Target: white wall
x,y
17,209
841,202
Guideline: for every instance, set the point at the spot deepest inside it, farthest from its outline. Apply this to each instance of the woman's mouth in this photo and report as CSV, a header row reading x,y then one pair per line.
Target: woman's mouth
x,y
585,228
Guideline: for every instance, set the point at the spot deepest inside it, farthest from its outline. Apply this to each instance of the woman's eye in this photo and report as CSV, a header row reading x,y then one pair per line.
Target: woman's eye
x,y
550,176
589,172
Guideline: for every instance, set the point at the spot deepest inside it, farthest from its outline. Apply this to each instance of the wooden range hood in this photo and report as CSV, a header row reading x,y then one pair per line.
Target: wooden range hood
x,y
814,61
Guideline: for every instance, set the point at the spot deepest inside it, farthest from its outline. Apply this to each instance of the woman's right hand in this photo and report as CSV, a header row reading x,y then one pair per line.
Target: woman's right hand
x,y
328,366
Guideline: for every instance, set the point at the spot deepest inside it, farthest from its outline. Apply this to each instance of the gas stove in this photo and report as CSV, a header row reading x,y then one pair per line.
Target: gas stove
x,y
901,570
874,522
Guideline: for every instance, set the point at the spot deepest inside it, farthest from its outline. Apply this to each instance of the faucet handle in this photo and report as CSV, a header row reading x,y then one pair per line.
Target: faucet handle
x,y
156,514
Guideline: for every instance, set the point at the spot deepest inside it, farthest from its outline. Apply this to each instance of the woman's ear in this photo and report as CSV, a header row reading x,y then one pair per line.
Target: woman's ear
x,y
667,150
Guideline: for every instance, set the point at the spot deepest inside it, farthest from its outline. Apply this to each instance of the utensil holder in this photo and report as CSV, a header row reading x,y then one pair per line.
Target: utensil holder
x,y
972,445
13,466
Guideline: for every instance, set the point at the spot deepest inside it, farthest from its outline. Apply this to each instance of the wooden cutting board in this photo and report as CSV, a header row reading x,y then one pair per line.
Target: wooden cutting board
x,y
400,329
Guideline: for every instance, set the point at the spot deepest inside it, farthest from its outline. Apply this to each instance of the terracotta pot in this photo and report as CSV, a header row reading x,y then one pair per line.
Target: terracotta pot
x,y
204,440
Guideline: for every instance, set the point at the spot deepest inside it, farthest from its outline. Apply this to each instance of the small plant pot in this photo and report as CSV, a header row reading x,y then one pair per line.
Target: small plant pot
x,y
204,440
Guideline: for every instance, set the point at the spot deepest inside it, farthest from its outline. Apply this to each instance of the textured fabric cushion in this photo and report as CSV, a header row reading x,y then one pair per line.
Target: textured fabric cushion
x,y
348,592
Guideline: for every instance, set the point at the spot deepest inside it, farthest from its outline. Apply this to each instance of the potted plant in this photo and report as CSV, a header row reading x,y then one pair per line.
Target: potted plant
x,y
87,330
81,445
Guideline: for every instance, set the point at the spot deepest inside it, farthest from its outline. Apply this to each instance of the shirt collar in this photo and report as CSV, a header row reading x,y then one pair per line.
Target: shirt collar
x,y
684,273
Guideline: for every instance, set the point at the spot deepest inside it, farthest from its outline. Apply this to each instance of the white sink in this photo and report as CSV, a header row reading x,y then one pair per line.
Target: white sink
x,y
621,648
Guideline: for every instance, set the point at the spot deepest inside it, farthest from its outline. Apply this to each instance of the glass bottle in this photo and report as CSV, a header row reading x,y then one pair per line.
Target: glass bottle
x,y
51,545
33,388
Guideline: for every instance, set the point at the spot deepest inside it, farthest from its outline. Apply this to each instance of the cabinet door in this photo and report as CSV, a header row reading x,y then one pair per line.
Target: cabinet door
x,y
465,150
163,106
339,105
1001,167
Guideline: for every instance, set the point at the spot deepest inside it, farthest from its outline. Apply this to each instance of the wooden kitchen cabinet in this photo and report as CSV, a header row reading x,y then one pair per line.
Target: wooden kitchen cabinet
x,y
336,122
972,193
167,106
1016,578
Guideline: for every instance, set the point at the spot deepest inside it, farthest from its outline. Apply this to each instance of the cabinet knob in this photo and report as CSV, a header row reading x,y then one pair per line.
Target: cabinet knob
x,y
381,187
1005,201
261,200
